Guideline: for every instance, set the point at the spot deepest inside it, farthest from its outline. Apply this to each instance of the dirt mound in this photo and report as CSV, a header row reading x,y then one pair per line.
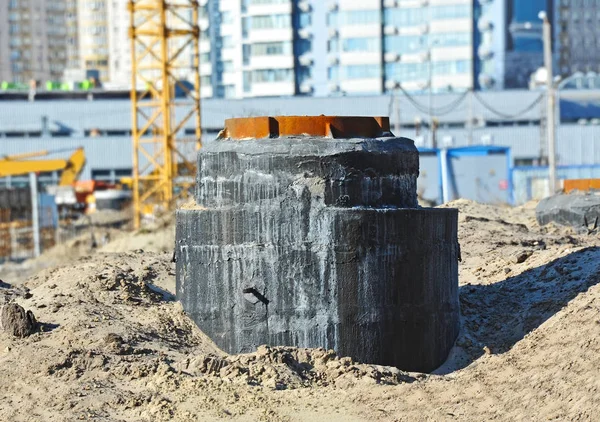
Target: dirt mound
x,y
114,345
289,367
160,237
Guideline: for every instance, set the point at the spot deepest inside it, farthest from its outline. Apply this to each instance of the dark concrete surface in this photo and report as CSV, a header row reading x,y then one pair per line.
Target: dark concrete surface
x,y
319,243
573,209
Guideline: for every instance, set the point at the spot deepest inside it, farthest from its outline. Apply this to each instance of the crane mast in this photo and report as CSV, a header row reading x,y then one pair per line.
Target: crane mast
x,y
165,100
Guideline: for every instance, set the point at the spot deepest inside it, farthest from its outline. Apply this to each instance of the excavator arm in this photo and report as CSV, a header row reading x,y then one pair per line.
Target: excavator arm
x,y
74,166
13,166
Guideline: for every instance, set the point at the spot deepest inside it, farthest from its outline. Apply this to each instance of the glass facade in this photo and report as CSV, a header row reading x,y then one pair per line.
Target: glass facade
x,y
577,35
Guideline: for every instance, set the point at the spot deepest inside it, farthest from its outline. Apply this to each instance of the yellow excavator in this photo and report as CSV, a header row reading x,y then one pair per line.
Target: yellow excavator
x,y
20,164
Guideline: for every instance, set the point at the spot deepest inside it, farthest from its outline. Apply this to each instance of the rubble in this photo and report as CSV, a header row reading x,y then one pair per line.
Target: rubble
x,y
16,321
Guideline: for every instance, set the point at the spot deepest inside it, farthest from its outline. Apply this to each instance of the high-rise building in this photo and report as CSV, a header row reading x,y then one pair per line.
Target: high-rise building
x,y
32,40
577,36
72,42
379,46
256,48
253,48
119,44
5,64
508,42
316,47
525,46
92,32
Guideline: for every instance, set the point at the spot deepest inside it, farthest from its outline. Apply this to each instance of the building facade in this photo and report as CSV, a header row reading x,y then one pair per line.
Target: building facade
x,y
577,36
257,48
119,44
412,45
525,46
508,42
92,19
5,65
33,40
312,47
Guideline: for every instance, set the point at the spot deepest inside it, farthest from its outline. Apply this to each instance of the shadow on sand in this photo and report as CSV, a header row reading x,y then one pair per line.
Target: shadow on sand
x,y
497,316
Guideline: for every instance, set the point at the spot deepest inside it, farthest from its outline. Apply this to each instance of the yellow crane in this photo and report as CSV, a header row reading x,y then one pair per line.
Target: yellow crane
x,y
164,34
20,164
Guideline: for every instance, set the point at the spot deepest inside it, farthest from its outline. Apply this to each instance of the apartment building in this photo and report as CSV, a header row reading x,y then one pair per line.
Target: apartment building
x,y
119,44
253,48
577,36
508,42
377,47
5,65
312,47
92,19
32,40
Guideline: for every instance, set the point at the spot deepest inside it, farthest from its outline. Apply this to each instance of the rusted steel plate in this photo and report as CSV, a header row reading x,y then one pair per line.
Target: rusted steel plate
x,y
581,184
325,126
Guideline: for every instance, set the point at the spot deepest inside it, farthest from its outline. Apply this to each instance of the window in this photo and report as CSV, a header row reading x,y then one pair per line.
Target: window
x,y
205,80
405,17
304,20
405,72
271,48
333,72
226,17
226,42
246,53
361,71
269,1
227,66
271,22
205,58
123,172
450,67
360,44
360,17
101,174
272,75
333,45
403,44
229,91
332,18
450,12
245,27
247,81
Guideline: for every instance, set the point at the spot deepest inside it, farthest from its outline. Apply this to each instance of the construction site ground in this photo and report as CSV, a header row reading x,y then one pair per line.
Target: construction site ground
x,y
116,346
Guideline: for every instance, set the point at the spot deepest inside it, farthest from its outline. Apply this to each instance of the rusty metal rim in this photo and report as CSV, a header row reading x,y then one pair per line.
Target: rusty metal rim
x,y
319,126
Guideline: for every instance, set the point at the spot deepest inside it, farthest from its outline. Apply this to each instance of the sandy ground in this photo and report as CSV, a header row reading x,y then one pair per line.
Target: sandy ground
x,y
116,346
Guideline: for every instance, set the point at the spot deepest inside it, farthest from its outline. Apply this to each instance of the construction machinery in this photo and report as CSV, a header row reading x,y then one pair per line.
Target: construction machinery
x,y
20,164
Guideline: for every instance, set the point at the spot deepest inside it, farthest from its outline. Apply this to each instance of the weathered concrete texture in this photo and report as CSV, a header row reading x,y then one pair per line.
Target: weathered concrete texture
x,y
314,242
377,285
569,210
348,173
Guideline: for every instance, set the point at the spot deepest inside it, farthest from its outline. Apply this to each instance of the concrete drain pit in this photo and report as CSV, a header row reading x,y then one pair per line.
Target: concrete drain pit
x,y
305,231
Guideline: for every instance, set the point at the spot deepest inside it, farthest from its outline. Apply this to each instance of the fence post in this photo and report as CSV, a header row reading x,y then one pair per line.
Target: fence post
x,y
35,218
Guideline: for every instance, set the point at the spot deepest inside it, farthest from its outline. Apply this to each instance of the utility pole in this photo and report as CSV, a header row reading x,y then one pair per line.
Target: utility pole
x,y
551,98
470,127
397,104
35,217
431,130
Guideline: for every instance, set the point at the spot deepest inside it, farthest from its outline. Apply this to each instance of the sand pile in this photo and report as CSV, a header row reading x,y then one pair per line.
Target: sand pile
x,y
158,237
113,345
282,368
